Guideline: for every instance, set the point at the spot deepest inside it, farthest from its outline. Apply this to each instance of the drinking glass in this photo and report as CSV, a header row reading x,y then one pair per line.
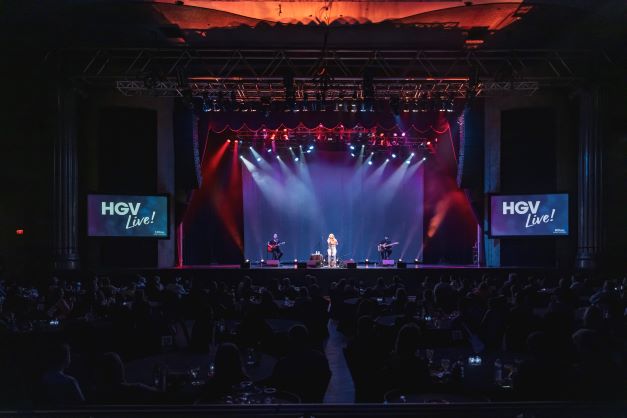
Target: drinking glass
x,y
194,373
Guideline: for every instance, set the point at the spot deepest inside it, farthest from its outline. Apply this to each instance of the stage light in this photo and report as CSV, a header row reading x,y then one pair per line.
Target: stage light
x,y
228,140
311,147
415,261
352,147
295,260
387,160
408,162
393,155
308,151
352,154
403,134
19,232
369,162
412,154
278,157
371,152
269,149
258,158
262,261
424,158
428,142
296,159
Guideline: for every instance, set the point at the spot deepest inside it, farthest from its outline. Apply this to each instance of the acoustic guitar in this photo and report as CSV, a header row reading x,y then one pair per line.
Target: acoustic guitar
x,y
383,247
271,247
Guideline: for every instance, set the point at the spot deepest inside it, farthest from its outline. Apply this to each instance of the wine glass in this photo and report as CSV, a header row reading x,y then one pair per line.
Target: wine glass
x,y
194,372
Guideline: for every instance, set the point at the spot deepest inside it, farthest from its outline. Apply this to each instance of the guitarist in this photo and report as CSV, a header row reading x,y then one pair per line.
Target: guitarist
x,y
385,248
274,246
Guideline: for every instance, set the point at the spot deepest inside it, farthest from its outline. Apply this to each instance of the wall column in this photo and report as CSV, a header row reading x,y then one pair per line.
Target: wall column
x,y
589,198
65,181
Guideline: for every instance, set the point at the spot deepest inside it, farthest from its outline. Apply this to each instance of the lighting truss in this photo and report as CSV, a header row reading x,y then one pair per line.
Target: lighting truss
x,y
345,89
255,73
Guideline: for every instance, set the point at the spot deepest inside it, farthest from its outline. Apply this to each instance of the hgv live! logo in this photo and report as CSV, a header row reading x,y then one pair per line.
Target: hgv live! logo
x,y
530,208
130,209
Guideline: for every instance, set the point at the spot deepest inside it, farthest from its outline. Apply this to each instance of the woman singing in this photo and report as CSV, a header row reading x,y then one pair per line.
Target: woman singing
x,y
332,250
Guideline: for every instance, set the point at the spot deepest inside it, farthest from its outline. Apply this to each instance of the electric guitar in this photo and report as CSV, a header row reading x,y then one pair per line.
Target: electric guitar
x,y
271,247
383,247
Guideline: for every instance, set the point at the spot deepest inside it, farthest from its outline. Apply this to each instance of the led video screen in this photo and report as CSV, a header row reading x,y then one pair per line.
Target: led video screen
x,y
111,215
529,215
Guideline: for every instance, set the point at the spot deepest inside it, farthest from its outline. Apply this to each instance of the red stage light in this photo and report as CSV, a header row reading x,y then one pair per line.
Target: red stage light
x,y
428,142
19,232
228,140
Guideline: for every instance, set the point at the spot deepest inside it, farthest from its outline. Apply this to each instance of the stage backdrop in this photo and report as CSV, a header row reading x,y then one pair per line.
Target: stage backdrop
x,y
328,192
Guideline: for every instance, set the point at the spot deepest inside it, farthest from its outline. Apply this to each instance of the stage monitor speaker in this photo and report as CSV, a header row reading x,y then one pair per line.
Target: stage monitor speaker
x,y
245,264
351,264
387,262
301,264
401,264
313,263
272,263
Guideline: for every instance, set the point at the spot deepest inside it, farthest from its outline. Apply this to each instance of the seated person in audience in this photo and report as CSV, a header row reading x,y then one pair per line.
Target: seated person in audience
x,y
176,287
444,296
364,355
379,289
397,307
403,369
58,388
253,330
229,372
597,374
245,289
302,371
112,387
202,331
267,308
61,305
154,289
546,375
408,315
319,314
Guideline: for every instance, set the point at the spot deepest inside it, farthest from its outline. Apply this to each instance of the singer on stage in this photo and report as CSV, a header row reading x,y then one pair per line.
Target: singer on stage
x,y
332,250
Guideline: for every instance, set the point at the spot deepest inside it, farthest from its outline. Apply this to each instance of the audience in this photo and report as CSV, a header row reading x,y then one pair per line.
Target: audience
x,y
568,334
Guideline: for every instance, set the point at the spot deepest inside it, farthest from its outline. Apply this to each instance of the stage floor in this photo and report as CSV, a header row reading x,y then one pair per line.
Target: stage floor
x,y
292,266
